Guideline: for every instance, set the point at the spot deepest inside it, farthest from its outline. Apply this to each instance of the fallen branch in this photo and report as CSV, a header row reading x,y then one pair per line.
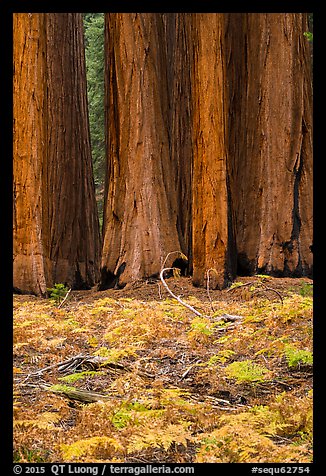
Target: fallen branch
x,y
50,367
218,403
184,375
269,289
229,318
237,286
93,362
261,288
64,299
87,396
192,309
171,253
84,396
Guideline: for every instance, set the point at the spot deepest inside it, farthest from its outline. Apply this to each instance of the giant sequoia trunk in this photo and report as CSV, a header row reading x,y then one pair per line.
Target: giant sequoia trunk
x,y
56,230
140,216
270,141
179,52
211,211
209,143
29,150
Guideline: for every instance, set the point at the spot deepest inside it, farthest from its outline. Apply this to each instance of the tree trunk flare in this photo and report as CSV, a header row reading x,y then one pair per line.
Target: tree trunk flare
x,y
56,229
270,141
212,233
140,209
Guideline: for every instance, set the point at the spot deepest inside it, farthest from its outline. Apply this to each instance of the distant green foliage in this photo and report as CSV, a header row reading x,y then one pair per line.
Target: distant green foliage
x,y
57,293
94,50
309,34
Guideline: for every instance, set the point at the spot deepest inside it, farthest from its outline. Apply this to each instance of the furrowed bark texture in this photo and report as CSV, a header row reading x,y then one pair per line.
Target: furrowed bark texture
x,y
270,141
29,149
179,53
73,237
56,230
140,218
212,232
209,146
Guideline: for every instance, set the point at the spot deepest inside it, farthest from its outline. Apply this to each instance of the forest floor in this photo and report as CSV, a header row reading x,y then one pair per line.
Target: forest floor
x,y
132,375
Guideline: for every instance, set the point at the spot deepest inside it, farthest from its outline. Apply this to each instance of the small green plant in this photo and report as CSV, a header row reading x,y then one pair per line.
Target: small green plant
x,y
306,289
57,293
72,378
127,412
309,35
25,455
201,325
246,371
201,330
236,285
221,357
262,276
296,357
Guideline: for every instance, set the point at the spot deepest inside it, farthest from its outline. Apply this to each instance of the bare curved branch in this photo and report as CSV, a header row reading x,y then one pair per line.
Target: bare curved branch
x,y
171,253
177,297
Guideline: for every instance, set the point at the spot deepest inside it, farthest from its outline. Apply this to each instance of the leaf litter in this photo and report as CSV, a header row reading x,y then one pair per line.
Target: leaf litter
x,y
131,375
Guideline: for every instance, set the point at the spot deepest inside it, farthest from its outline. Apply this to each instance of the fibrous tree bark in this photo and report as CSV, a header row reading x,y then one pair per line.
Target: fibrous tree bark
x,y
209,146
140,209
211,211
178,43
29,148
56,229
270,141
74,236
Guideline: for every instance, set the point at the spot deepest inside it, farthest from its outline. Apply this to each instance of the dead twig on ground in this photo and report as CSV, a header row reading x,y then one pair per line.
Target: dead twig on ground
x,y
192,309
84,396
64,299
269,289
184,375
261,288
81,362
225,317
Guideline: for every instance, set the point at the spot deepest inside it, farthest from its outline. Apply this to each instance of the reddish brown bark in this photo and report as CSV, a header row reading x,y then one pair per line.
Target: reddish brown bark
x,y
211,213
140,219
209,141
179,52
270,141
29,149
73,237
56,232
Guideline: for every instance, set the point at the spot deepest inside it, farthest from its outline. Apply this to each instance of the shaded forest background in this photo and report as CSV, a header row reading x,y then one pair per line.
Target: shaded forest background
x,y
195,134
94,49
